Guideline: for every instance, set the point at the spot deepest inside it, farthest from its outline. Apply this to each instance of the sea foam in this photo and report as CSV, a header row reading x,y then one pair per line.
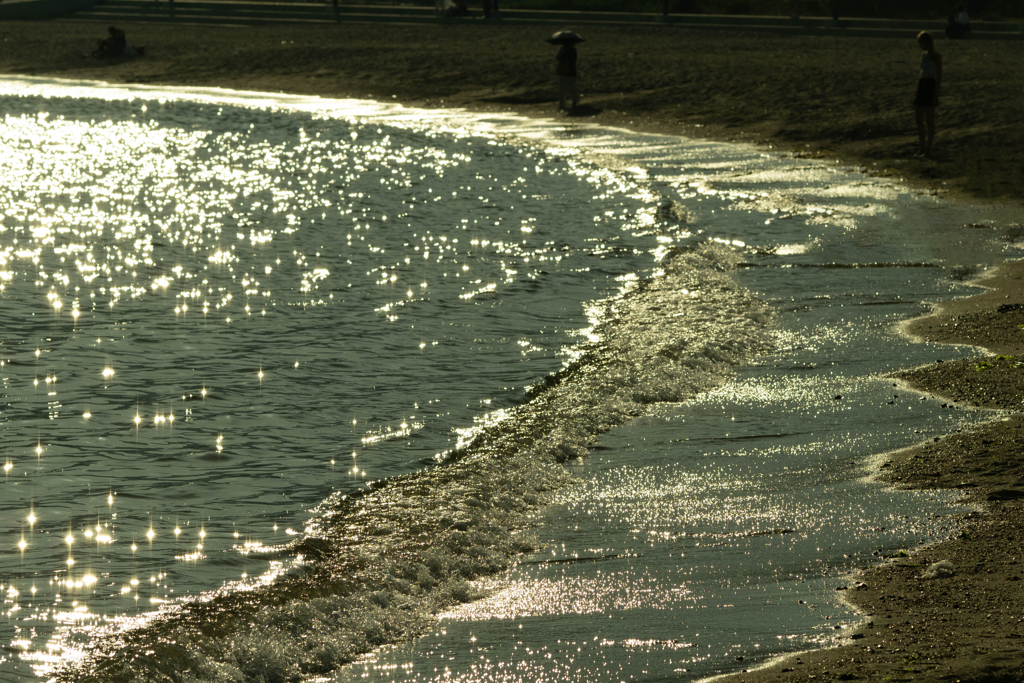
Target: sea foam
x,y
373,568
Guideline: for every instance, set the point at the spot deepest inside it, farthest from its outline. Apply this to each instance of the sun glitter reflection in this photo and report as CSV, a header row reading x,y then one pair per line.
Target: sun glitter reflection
x,y
201,198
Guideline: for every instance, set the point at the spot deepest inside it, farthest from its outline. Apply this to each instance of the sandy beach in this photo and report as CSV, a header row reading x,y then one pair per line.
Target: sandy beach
x,y
845,98
835,98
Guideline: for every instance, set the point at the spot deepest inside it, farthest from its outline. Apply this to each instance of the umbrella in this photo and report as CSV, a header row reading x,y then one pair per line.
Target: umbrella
x,y
565,38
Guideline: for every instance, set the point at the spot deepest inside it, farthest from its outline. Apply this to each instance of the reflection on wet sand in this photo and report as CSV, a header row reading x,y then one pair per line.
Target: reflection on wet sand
x,y
412,275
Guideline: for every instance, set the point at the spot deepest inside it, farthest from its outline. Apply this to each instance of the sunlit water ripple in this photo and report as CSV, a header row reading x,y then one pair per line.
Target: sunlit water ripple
x,y
220,309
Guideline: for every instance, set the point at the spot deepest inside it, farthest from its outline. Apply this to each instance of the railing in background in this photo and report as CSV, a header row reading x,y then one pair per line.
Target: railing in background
x,y
519,11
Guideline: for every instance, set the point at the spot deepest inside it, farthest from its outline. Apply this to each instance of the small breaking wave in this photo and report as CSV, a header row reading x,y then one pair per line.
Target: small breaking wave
x,y
373,568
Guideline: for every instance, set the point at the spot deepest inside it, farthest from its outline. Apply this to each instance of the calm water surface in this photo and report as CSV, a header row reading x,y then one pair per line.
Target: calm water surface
x,y
219,310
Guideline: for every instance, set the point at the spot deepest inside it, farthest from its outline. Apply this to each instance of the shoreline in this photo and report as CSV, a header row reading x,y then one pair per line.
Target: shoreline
x,y
969,626
814,96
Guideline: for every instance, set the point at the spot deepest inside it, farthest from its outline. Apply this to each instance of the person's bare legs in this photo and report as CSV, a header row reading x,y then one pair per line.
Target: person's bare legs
x,y
568,90
925,127
929,122
922,133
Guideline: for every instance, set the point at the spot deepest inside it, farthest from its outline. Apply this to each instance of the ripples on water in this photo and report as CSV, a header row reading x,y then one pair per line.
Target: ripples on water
x,y
218,313
215,315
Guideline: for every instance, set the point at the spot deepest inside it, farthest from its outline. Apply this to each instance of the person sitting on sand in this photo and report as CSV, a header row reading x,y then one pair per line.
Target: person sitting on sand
x,y
959,25
927,97
113,45
116,45
457,9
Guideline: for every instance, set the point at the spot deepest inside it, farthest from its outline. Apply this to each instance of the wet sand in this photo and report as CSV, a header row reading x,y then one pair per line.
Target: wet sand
x,y
968,626
846,99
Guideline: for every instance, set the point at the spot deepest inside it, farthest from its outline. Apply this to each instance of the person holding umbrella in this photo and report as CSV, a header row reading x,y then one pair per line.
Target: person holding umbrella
x,y
566,66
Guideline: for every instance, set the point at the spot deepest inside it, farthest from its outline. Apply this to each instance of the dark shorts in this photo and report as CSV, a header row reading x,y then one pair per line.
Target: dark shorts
x,y
926,88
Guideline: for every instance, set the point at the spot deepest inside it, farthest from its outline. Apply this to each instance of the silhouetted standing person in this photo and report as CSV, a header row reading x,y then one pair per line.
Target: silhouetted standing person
x,y
927,97
566,70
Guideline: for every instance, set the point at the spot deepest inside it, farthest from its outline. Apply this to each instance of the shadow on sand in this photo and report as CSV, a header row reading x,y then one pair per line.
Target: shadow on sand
x,y
582,110
528,97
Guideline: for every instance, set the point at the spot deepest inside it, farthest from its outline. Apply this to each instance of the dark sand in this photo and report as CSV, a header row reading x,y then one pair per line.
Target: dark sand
x,y
847,99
